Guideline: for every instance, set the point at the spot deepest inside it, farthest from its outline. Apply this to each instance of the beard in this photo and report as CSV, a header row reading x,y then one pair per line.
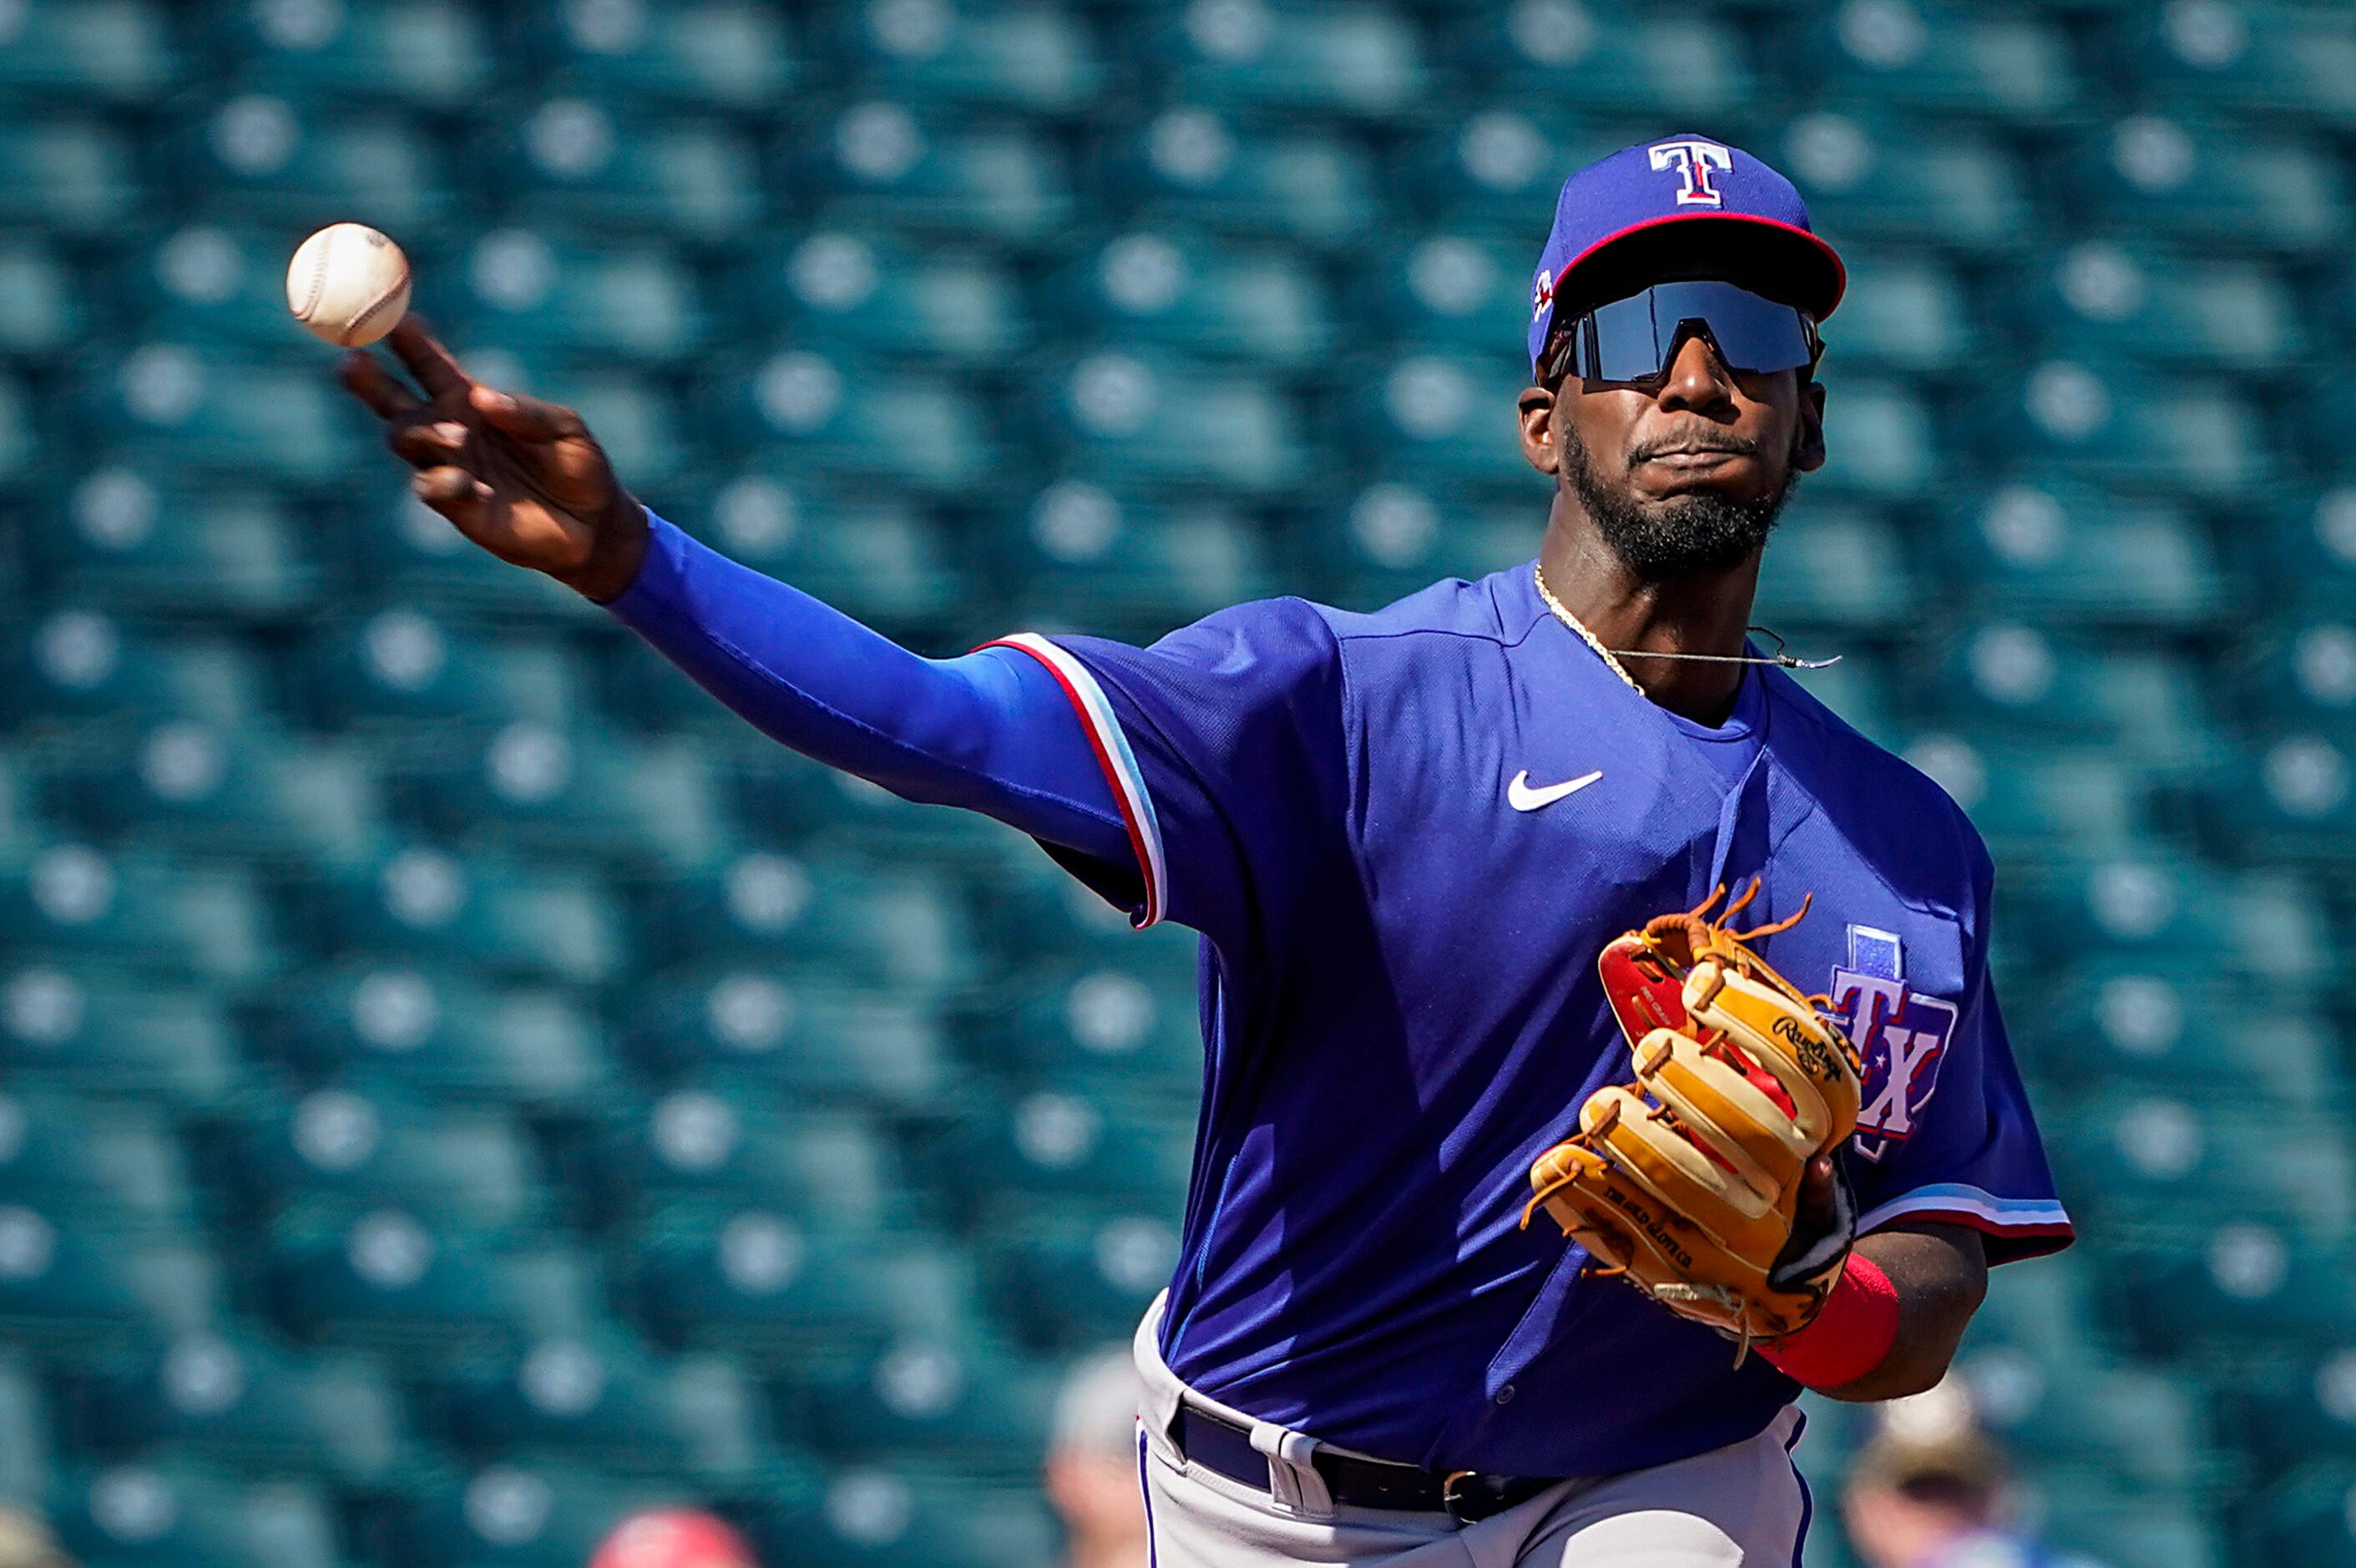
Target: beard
x,y
1693,534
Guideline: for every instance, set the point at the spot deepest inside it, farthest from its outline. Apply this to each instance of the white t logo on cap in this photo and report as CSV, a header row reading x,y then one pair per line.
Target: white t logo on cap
x,y
1693,161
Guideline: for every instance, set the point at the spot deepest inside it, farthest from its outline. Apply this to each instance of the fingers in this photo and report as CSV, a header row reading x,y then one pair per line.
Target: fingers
x,y
435,369
366,379
525,418
426,443
457,495
1815,1205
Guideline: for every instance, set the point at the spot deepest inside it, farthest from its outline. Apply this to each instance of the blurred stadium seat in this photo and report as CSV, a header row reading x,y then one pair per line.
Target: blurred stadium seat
x,y
429,53
892,1515
114,1163
244,1399
1961,189
834,418
180,1514
1488,168
1670,62
871,294
2272,61
174,405
1196,293
1162,421
40,304
119,52
583,160
2214,314
235,551
466,1168
1301,57
1192,164
715,54
541,294
548,1514
91,1028
939,175
294,162
694,1144
2073,556
607,1401
69,175
1942,58
1033,59
2203,182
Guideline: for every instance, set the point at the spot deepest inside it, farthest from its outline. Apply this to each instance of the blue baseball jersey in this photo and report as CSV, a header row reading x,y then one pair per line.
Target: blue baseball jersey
x,y
1401,911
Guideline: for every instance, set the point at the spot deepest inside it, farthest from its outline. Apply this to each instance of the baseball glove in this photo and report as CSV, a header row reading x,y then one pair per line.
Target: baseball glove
x,y
1686,1183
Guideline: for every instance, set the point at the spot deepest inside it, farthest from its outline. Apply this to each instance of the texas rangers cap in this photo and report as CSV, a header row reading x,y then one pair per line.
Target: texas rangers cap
x,y
1682,207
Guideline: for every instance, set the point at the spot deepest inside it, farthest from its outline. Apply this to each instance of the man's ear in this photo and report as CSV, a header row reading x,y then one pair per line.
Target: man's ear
x,y
1808,440
1537,413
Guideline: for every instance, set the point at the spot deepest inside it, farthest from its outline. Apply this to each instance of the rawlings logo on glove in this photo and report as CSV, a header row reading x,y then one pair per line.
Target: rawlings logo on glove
x,y
1687,1183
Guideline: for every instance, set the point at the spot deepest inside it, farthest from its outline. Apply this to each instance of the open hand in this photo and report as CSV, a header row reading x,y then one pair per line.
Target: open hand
x,y
521,477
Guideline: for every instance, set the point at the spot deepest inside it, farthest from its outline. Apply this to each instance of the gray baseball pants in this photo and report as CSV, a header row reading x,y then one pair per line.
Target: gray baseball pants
x,y
1742,1504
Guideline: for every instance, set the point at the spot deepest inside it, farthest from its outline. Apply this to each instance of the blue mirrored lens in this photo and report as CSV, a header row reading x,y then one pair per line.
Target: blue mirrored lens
x,y
1630,339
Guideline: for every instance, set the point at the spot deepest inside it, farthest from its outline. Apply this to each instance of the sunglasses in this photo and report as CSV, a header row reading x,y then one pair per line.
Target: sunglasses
x,y
1630,342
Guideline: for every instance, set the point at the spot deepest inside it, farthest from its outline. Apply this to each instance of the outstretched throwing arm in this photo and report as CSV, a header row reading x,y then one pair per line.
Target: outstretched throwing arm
x,y
527,481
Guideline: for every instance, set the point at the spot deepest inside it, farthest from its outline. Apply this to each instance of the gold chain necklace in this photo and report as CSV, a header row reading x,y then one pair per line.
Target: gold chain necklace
x,y
1779,659
1585,635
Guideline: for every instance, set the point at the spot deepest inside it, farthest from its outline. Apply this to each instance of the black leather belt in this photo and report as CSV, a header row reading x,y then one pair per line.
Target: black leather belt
x,y
1465,1496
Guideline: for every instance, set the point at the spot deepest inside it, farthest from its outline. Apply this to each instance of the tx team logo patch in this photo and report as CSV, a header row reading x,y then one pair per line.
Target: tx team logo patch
x,y
1542,297
1900,1034
1693,161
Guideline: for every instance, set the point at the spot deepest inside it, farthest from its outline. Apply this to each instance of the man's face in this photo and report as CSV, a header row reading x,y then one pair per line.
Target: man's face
x,y
1687,478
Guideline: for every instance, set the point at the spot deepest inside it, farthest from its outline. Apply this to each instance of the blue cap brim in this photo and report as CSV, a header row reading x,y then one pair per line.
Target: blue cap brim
x,y
1781,261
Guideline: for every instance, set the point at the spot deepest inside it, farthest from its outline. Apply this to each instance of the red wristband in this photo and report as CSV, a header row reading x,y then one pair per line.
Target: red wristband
x,y
1850,1335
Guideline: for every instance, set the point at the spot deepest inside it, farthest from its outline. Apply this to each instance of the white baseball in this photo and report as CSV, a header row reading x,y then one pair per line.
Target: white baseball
x,y
349,283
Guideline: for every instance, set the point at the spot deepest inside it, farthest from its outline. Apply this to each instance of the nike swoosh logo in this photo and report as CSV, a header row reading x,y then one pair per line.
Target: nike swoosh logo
x,y
1522,798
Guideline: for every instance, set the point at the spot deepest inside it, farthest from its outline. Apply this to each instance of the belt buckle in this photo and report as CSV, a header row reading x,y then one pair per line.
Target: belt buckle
x,y
1460,1508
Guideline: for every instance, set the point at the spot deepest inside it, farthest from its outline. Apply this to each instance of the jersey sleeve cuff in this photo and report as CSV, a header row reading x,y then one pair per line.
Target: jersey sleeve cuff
x,y
657,583
1119,762
2016,1226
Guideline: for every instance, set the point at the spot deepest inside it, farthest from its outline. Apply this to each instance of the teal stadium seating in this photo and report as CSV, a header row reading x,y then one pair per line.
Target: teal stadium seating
x,y
119,52
182,1513
270,157
1943,59
1193,294
248,1400
1671,62
1340,61
609,1401
458,1084
723,54
434,56
1031,59
867,293
935,173
1195,165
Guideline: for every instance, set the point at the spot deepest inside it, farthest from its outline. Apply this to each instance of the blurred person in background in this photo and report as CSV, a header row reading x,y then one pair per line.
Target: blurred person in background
x,y
26,1543
1934,1494
1090,1475
673,1537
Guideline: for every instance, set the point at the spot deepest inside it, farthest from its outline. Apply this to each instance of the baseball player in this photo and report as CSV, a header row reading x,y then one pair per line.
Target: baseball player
x,y
1548,892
